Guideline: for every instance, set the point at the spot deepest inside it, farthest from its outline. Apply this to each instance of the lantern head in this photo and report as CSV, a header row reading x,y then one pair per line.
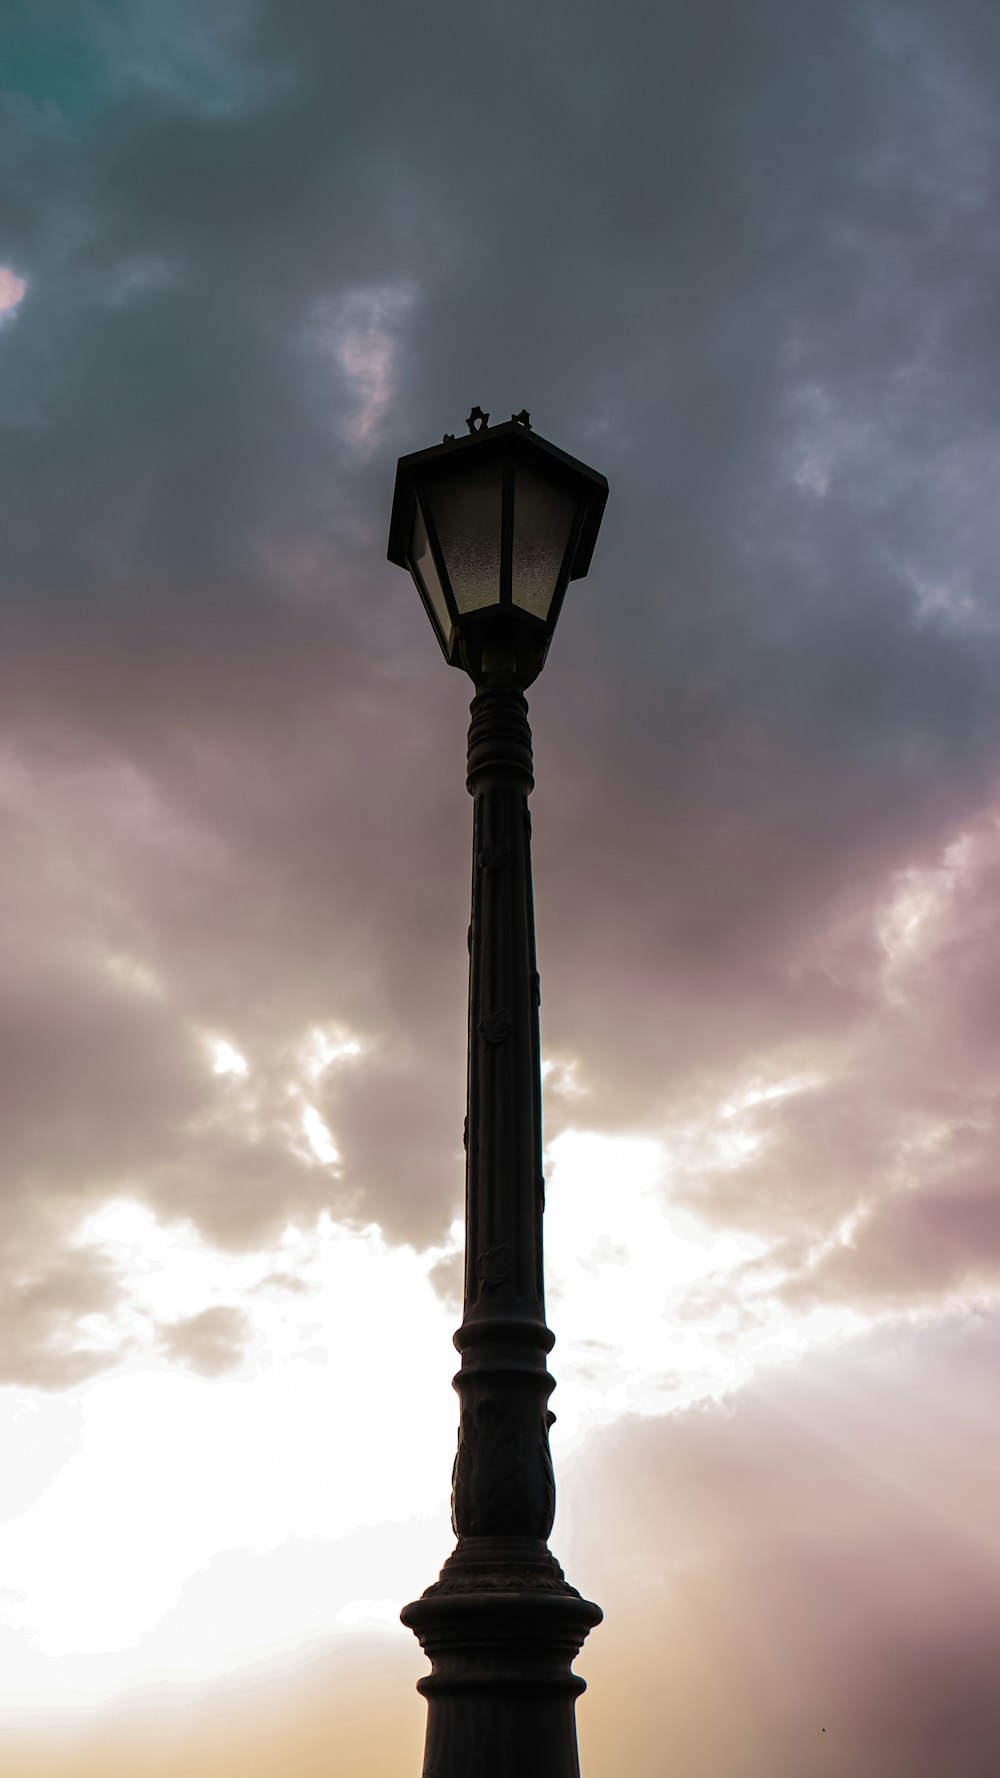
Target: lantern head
x,y
492,528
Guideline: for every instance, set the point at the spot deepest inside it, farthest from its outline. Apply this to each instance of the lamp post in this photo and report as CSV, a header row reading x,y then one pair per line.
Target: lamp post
x,y
492,527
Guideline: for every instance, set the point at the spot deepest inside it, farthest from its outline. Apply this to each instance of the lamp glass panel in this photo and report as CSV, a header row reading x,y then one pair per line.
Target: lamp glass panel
x,y
466,512
422,563
544,515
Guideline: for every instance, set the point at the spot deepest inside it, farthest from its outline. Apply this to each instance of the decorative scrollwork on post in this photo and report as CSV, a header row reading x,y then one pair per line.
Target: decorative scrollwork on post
x,y
502,1481
495,1027
494,1266
494,857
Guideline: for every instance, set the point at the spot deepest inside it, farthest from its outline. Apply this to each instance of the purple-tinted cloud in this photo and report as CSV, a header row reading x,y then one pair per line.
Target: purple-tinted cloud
x,y
750,273
810,1573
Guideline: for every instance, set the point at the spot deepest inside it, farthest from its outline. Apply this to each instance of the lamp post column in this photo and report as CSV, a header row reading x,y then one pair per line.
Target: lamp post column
x,y
502,1626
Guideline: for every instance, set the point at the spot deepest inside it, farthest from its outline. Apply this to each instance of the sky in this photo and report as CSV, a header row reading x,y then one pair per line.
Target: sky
x,y
743,257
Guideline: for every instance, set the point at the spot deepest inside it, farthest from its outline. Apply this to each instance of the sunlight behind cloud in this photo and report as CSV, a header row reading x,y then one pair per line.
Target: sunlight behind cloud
x,y
345,1364
913,920
373,1613
618,1261
226,1059
171,1469
12,289
318,1136
653,1309
768,1092
324,1046
360,332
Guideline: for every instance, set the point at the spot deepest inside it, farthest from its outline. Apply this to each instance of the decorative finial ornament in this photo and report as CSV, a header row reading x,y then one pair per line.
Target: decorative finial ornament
x,y
522,419
477,420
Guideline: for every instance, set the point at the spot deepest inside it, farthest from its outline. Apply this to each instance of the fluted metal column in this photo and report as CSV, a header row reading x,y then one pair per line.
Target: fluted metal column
x,y
502,1626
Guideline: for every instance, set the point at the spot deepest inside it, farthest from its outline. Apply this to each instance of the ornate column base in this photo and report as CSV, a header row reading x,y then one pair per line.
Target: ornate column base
x,y
501,1629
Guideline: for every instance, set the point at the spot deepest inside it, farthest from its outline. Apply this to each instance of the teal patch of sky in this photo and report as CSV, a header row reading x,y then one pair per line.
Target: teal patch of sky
x,y
52,63
80,59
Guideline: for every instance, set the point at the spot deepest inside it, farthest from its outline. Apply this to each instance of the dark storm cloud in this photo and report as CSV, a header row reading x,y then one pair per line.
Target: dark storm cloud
x,y
742,259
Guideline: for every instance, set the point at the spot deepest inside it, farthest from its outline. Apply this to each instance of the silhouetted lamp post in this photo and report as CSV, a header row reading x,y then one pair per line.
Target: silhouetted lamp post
x,y
492,528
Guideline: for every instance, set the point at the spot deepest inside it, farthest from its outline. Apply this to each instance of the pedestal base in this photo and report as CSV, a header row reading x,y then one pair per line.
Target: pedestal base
x,y
501,1628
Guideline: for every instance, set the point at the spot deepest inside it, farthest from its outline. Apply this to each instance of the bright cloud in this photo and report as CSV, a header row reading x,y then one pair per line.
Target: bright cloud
x,y
12,289
362,331
170,1469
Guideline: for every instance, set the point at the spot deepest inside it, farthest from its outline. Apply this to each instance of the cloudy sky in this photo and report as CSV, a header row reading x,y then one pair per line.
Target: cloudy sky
x,y
743,256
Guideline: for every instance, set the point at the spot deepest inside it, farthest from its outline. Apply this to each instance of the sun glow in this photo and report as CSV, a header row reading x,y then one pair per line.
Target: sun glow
x,y
318,1136
170,1470
654,1310
12,289
195,1484
324,1047
226,1058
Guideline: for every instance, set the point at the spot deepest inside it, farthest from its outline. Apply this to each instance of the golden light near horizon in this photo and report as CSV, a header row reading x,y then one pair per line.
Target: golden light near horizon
x,y
278,1429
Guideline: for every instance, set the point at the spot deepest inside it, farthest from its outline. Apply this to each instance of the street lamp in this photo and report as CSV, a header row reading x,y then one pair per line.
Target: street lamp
x,y
492,527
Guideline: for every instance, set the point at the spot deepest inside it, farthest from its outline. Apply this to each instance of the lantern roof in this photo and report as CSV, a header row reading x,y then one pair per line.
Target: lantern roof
x,y
511,439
